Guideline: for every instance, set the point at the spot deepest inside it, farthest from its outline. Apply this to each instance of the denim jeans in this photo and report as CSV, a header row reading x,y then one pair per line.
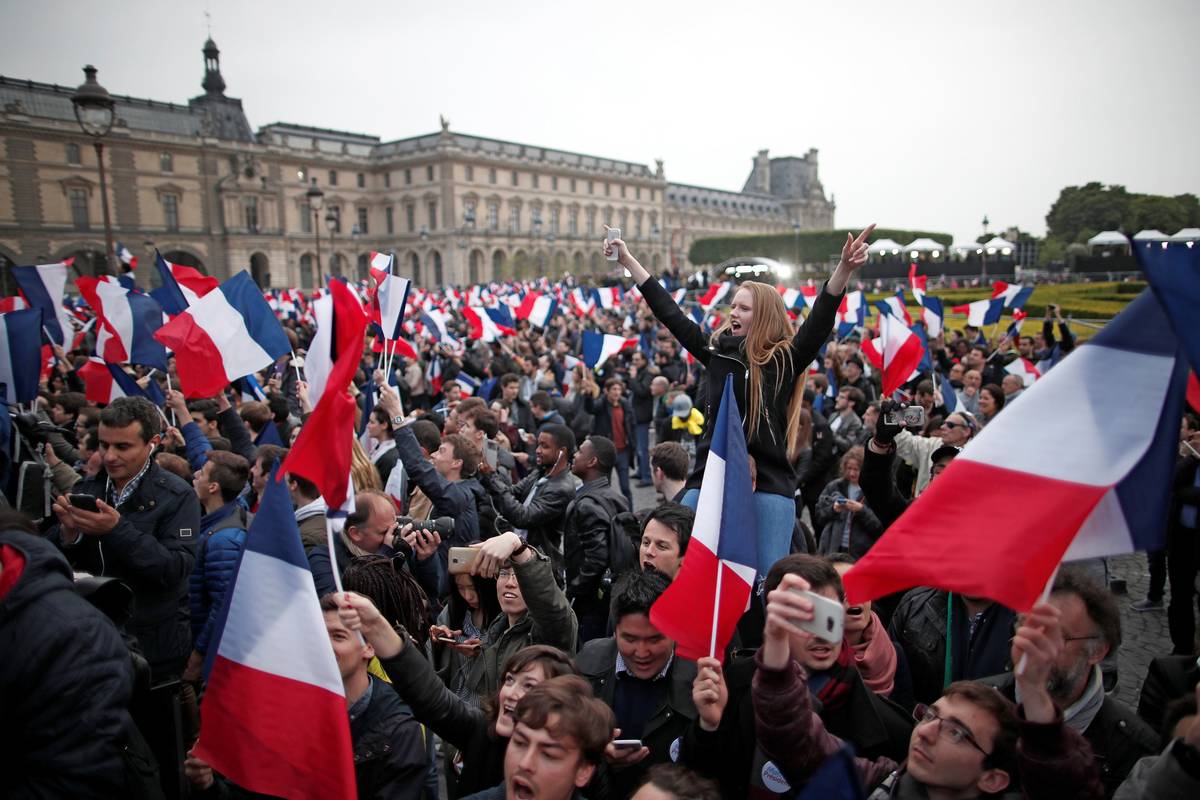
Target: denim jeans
x,y
623,474
776,517
643,451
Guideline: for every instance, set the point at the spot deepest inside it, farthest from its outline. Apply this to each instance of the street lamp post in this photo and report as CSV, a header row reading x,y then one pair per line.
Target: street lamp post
x,y
331,222
94,113
983,259
315,199
796,230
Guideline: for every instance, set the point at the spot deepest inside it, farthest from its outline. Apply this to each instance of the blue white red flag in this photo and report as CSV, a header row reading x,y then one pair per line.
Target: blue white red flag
x,y
678,295
917,283
433,373
1174,273
224,335
599,347
714,295
126,257
851,313
583,302
792,298
1014,327
607,296
391,294
250,389
932,314
44,287
181,286
483,324
949,396
537,308
1024,369
8,304
895,352
896,307
127,323
20,354
1014,295
467,384
1092,482
275,718
701,608
104,382
982,312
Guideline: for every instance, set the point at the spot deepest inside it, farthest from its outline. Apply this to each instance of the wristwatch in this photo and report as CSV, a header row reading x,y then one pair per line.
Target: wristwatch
x,y
397,420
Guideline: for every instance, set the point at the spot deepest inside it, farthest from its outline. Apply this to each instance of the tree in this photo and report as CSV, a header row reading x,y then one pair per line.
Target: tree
x,y
1081,211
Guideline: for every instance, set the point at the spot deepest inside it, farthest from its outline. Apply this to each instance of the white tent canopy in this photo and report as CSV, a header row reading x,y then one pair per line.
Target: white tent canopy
x,y
1150,235
965,248
924,245
1187,235
999,245
1108,239
884,247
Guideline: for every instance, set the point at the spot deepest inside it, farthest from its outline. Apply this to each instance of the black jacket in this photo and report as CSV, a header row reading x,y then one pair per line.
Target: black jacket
x,y
544,517
462,725
450,498
152,549
390,760
727,358
1168,678
643,401
919,627
1117,736
602,424
667,723
878,484
730,755
66,681
586,540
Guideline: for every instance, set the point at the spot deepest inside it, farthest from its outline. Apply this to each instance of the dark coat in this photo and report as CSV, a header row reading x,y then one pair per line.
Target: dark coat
x,y
602,422
390,760
152,549
1167,678
874,725
544,517
586,540
1117,736
878,483
598,663
919,627
450,498
66,680
462,725
865,529
217,559
727,358
643,401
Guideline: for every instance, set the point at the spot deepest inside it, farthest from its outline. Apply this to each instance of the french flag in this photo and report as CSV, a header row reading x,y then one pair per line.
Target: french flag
x,y
917,283
1014,295
8,304
391,294
608,296
933,315
104,382
896,352
433,373
484,325
181,286
1014,327
537,308
126,257
714,295
127,323
701,608
851,313
227,333
1025,370
1174,273
44,287
275,718
678,295
1094,482
949,396
583,301
467,384
20,354
895,307
982,312
599,347
792,298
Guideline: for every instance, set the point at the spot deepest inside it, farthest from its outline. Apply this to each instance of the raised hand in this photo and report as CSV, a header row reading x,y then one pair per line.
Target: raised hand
x,y
709,693
854,255
1036,646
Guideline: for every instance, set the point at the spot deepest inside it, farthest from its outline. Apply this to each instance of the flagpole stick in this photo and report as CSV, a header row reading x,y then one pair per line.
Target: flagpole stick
x,y
296,366
712,647
1020,670
174,422
337,577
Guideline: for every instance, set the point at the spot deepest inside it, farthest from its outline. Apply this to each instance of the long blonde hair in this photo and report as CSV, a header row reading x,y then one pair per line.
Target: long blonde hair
x,y
362,472
769,339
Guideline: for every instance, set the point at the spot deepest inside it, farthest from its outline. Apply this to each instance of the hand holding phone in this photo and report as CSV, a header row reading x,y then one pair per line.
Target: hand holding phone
x,y
85,502
829,617
612,235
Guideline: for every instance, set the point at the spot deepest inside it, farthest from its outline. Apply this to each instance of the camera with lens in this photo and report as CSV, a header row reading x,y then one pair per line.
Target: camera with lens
x,y
908,416
35,431
443,525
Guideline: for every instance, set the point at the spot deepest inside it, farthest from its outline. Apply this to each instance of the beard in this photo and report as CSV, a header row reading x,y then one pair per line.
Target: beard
x,y
1061,683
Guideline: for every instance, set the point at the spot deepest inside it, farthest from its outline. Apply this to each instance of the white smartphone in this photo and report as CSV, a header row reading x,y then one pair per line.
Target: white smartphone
x,y
829,618
631,744
613,233
491,452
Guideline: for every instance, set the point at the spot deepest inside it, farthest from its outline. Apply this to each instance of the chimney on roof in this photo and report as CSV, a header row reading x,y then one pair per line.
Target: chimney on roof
x,y
762,172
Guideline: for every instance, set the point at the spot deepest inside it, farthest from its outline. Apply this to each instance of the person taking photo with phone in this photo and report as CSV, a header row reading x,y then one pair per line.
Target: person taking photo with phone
x,y
757,346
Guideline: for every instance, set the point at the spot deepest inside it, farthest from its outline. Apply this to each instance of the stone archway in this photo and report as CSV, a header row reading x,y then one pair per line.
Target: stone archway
x,y
499,261
414,266
522,264
560,263
475,267
364,266
185,258
439,278
307,265
595,264
260,270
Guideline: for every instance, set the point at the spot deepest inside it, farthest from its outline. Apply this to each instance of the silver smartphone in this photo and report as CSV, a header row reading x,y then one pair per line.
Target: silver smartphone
x,y
491,452
613,233
829,618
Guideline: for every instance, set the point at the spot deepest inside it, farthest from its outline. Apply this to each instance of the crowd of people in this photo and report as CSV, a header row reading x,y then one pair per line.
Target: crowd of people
x,y
532,668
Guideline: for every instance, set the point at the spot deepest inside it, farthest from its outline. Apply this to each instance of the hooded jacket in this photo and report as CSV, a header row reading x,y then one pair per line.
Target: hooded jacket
x,y
727,357
66,679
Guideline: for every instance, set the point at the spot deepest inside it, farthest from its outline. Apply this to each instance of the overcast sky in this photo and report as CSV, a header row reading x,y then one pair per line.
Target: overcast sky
x,y
926,114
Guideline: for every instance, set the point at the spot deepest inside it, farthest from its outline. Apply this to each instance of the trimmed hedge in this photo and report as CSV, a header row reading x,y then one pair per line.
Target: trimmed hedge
x,y
1082,300
816,247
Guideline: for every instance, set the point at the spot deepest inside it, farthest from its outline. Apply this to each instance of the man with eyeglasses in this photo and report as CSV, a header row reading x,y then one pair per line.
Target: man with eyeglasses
x,y
971,742
1091,625
917,451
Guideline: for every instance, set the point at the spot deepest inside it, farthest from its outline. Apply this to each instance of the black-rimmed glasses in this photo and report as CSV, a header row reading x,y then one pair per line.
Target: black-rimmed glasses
x,y
955,732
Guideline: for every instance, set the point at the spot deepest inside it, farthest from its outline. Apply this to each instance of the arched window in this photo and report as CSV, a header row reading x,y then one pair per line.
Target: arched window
x,y
438,278
306,271
415,268
497,265
474,266
364,270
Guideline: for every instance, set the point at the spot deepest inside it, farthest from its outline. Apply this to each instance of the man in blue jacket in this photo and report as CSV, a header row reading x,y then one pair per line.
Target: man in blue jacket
x,y
222,534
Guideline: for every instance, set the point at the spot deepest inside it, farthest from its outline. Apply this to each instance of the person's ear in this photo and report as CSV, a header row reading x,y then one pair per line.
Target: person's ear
x,y
1098,655
993,781
368,652
583,774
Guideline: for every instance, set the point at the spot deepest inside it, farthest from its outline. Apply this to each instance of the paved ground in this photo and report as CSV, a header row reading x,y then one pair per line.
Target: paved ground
x,y
1145,634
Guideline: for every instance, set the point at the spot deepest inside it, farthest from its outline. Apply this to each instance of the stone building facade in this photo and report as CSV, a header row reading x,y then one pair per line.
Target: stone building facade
x,y
199,184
